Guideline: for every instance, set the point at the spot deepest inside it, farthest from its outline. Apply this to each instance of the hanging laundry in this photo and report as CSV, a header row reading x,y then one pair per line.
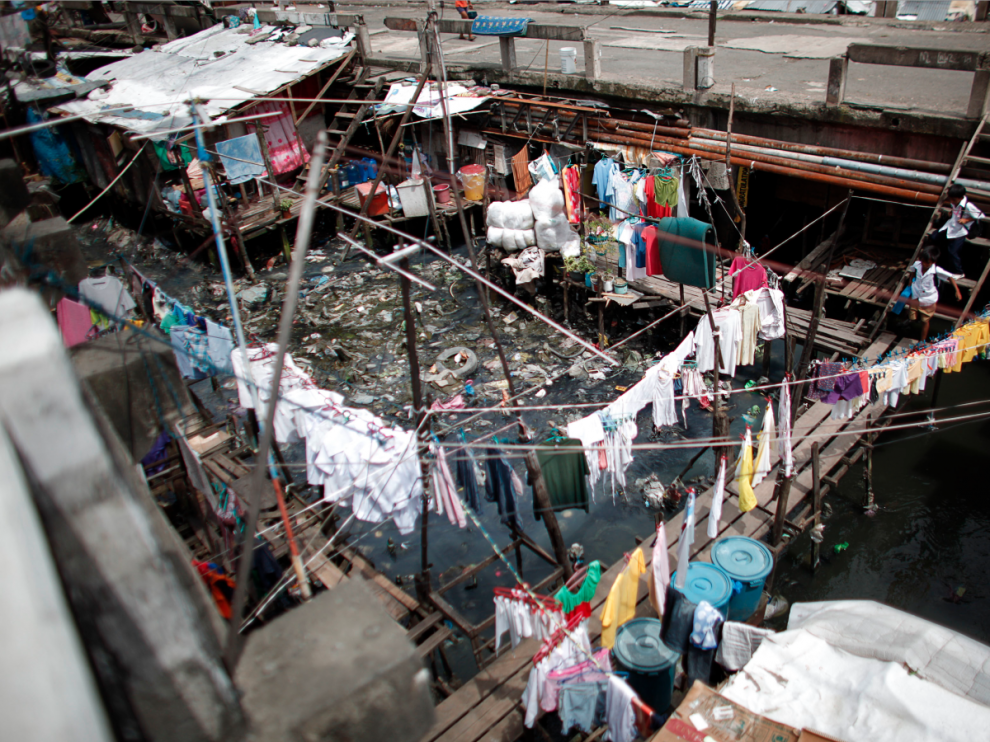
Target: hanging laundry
x,y
762,465
747,275
571,600
784,437
572,649
74,321
685,543
749,328
592,670
620,715
565,475
192,353
620,606
571,179
604,173
466,469
719,495
701,650
242,159
627,235
108,295
659,577
744,475
651,246
728,323
444,491
687,251
583,704
519,616
500,487
285,151
771,305
520,171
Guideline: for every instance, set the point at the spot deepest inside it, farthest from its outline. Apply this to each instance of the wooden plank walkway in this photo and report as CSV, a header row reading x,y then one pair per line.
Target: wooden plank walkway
x,y
488,707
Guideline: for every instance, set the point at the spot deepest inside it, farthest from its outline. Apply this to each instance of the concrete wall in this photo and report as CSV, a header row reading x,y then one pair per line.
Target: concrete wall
x,y
156,658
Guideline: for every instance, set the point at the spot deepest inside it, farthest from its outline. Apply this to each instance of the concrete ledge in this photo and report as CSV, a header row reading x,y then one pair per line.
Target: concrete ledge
x,y
336,668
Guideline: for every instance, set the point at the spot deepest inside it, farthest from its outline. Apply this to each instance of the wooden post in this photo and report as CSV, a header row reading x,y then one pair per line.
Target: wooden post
x,y
816,502
417,393
432,206
684,310
542,499
732,180
767,346
780,515
720,418
869,504
363,41
816,315
268,163
169,25
713,10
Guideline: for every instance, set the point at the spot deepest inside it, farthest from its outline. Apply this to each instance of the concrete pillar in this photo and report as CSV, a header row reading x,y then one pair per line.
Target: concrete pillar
x,y
978,96
52,693
592,59
424,51
363,41
836,90
982,10
507,48
336,668
691,68
127,576
54,246
705,67
133,26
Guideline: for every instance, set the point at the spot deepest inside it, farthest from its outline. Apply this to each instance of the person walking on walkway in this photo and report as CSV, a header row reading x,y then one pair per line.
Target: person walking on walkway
x,y
954,232
924,289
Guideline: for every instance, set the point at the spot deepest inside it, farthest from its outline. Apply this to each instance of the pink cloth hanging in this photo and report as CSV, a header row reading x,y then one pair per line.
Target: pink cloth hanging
x,y
74,321
285,150
747,276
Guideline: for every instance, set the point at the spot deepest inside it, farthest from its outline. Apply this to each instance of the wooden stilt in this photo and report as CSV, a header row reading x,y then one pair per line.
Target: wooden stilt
x,y
869,504
816,494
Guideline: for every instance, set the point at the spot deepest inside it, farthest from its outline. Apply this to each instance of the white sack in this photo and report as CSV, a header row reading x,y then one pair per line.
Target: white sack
x,y
495,235
496,216
546,200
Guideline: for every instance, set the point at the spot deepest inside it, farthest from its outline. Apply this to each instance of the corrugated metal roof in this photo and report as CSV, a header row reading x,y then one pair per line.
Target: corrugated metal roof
x,y
217,64
704,4
817,7
923,10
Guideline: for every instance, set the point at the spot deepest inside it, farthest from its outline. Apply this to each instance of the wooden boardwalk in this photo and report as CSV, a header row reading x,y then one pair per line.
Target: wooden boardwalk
x,y
488,706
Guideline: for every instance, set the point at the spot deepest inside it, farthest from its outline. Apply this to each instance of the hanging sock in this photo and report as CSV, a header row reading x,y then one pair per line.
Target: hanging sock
x,y
784,431
744,475
763,466
716,513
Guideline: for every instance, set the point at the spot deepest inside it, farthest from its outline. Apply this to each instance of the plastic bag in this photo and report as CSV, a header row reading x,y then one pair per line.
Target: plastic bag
x,y
529,237
542,168
546,200
517,215
496,216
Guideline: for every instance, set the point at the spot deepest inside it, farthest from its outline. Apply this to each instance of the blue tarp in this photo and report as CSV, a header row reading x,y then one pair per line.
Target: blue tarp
x,y
490,25
55,159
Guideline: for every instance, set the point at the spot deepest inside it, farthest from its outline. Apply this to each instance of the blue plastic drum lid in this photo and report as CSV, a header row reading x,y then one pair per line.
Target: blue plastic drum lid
x,y
706,582
743,559
639,648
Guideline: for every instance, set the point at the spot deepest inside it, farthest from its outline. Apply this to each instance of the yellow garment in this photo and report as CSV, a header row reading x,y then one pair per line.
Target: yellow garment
x,y
620,606
973,337
916,371
965,334
744,480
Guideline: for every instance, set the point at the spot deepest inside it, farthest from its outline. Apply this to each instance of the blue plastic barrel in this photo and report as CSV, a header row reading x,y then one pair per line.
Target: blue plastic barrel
x,y
706,582
639,651
747,562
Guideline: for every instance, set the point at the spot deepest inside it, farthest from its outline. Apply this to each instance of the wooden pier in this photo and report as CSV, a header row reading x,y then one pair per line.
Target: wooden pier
x,y
488,706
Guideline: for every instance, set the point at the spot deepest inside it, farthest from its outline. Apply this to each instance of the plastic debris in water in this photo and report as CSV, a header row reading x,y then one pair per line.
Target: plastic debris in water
x,y
841,547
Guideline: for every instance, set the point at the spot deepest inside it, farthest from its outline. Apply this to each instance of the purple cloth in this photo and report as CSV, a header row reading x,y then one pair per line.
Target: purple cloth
x,y
820,386
846,387
157,453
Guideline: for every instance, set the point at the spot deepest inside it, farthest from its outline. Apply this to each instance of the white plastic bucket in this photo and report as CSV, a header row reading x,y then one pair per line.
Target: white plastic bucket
x,y
568,60
412,195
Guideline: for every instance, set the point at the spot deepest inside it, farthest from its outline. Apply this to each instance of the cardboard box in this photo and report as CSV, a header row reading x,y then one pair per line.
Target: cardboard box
x,y
722,720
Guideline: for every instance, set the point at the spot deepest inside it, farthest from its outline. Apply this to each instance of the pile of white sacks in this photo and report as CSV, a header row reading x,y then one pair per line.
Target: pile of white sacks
x,y
539,220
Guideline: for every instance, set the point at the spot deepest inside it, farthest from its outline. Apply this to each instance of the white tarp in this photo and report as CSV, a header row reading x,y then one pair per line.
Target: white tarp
x,y
159,82
859,670
428,104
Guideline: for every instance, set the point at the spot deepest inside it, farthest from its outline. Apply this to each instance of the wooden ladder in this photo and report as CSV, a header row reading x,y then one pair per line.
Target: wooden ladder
x,y
964,156
981,242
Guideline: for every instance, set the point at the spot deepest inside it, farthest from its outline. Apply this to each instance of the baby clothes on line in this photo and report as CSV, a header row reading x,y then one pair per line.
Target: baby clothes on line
x,y
522,620
589,670
572,649
569,601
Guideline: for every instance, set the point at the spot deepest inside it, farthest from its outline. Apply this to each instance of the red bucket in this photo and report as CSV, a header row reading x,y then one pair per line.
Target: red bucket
x,y
442,193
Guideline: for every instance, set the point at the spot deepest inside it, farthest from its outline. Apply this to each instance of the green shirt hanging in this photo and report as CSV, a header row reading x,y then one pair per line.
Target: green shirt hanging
x,y
585,593
565,474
